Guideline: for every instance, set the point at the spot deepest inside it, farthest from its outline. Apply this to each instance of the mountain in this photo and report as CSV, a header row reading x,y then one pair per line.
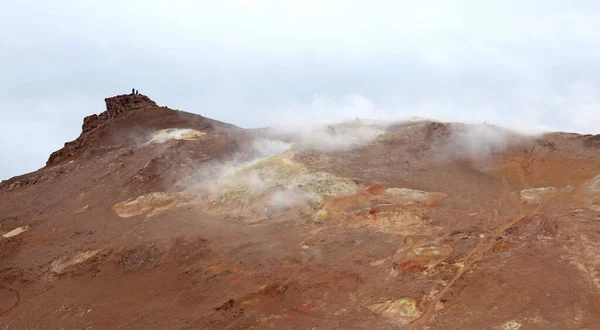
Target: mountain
x,y
161,219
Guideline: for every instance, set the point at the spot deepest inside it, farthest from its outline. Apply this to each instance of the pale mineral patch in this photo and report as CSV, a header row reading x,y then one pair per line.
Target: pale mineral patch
x,y
283,171
534,195
412,195
60,265
278,182
425,257
321,215
15,232
401,311
397,221
593,185
150,203
511,325
378,262
168,134
417,195
81,209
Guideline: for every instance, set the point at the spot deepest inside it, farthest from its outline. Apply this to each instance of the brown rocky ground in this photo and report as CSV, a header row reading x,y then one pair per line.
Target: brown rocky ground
x,y
161,219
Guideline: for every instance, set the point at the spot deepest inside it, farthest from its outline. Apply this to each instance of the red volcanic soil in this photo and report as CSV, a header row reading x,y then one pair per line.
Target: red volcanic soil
x,y
117,232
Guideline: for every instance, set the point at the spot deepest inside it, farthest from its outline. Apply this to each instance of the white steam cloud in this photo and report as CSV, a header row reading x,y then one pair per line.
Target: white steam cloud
x,y
211,176
479,142
285,188
285,198
328,137
269,147
328,124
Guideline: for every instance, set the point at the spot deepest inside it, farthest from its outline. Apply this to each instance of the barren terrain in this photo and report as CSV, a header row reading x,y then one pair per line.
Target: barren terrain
x,y
160,219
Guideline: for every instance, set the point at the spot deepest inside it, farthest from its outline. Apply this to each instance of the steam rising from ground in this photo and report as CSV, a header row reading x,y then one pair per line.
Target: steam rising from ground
x,y
480,141
332,137
269,147
264,174
285,198
266,168
212,176
278,139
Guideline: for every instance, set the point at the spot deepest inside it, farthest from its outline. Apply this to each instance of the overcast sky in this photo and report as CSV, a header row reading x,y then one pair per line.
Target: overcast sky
x,y
524,64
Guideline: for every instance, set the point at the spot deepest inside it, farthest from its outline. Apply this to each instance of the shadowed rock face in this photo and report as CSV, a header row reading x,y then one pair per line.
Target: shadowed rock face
x,y
115,106
156,218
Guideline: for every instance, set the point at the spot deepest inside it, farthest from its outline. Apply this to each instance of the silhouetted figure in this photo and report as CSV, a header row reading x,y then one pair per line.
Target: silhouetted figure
x,y
132,91
136,92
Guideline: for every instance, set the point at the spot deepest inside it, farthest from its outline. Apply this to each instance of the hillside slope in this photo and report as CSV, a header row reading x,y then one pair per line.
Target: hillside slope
x,y
160,219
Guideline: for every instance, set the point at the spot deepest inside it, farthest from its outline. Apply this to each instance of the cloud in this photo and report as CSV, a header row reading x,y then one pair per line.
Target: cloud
x,y
324,110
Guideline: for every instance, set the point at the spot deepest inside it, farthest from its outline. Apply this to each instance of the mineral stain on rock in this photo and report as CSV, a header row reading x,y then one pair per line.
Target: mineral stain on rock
x,y
81,209
511,325
168,134
422,257
60,265
401,311
278,182
150,203
15,232
415,196
535,195
321,215
394,220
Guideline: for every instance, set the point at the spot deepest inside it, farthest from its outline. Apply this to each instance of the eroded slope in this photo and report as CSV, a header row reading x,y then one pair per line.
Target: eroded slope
x,y
189,223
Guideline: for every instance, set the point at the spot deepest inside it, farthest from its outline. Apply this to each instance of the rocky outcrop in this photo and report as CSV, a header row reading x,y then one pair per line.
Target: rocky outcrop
x,y
115,107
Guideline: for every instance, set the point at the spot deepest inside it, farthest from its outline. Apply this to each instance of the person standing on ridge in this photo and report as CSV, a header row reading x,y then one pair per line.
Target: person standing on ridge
x,y
132,91
137,92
